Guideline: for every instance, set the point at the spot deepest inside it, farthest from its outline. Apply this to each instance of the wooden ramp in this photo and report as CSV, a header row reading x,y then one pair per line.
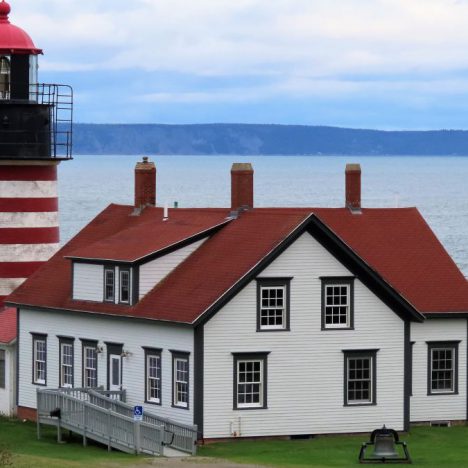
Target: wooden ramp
x,y
101,416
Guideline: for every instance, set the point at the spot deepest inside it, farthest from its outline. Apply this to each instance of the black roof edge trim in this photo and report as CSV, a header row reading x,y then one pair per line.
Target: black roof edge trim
x,y
260,266
330,241
371,278
445,315
97,314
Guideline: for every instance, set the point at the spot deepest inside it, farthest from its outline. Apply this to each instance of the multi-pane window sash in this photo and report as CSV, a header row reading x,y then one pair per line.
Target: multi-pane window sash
x,y
39,365
109,284
66,365
124,286
181,381
337,305
272,307
2,368
90,366
153,372
442,370
250,383
359,380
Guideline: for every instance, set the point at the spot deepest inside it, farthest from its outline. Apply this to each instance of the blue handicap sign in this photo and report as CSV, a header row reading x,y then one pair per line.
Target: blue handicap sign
x,y
138,413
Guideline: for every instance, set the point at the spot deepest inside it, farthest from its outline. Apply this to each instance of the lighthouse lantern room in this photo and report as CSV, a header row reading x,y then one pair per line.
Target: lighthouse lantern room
x,y
35,136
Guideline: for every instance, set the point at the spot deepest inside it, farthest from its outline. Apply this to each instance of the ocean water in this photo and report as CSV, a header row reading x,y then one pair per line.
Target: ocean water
x,y
437,186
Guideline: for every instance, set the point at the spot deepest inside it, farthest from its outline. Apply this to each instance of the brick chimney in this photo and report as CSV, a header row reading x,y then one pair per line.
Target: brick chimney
x,y
145,184
242,190
353,187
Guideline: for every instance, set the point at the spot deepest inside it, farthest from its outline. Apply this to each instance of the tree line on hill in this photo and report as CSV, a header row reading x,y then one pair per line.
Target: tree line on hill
x,y
254,139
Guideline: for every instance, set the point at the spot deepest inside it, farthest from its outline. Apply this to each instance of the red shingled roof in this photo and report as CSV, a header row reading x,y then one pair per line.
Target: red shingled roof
x,y
143,235
7,325
396,243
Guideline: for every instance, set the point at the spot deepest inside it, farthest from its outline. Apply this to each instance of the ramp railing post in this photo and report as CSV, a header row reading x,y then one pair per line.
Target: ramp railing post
x,y
109,429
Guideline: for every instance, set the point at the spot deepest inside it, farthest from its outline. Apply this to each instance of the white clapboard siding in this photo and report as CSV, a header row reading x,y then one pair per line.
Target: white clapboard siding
x,y
8,394
305,365
426,407
133,334
88,282
153,272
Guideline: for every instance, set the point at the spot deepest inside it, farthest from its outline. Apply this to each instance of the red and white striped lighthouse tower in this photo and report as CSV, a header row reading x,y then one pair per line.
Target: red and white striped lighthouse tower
x,y
35,135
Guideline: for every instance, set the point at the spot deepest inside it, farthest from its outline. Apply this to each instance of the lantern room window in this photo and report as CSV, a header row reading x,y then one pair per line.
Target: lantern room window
x,y
5,73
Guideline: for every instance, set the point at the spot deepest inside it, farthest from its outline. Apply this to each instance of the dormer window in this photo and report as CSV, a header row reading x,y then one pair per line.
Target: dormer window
x,y
124,286
5,71
109,284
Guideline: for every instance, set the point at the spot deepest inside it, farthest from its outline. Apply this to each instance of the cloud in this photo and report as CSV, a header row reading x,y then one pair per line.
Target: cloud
x,y
412,50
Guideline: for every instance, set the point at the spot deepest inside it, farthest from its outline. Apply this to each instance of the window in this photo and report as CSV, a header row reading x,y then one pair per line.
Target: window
x,y
180,386
153,375
2,368
39,359
90,368
442,367
4,77
337,303
109,284
125,286
66,362
360,377
273,304
250,371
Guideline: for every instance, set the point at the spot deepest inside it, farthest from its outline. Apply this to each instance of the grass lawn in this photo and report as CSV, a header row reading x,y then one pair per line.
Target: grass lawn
x,y
20,440
428,447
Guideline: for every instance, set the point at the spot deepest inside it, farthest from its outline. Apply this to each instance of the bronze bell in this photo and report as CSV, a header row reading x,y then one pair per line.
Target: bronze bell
x,y
384,442
385,445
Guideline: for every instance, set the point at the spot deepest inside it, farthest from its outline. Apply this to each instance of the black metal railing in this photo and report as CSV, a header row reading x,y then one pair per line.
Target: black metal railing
x,y
40,127
60,99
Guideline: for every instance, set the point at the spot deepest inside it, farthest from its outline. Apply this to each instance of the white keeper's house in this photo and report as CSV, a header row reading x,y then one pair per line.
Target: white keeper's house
x,y
252,321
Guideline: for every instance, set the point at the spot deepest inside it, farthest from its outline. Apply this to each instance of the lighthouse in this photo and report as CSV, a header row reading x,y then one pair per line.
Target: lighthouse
x,y
35,136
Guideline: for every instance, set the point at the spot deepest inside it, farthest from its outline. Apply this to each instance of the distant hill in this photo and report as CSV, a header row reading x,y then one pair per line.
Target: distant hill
x,y
266,139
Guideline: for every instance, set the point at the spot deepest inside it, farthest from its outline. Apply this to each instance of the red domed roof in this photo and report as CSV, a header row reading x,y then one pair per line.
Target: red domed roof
x,y
14,40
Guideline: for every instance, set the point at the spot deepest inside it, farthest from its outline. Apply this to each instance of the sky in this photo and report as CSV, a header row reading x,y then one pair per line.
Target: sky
x,y
385,64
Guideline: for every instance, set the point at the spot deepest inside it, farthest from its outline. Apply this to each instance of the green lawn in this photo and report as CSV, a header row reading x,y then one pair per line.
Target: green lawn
x,y
428,447
20,440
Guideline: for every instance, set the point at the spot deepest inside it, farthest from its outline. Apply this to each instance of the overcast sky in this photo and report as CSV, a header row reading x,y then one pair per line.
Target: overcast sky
x,y
390,64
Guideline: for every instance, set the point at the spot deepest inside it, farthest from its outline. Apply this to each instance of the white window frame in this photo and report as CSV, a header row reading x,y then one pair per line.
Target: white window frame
x,y
121,273
86,369
64,366
453,348
106,284
371,356
261,383
36,341
150,379
269,308
178,383
330,283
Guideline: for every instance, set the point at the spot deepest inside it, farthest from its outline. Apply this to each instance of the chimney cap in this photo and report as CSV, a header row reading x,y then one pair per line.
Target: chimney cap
x,y
241,167
353,167
146,164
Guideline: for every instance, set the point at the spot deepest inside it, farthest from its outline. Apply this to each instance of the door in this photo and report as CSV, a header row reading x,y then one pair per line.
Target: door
x,y
115,372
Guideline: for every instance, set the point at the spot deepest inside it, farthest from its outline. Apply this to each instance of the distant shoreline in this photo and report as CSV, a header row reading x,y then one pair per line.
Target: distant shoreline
x,y
263,140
